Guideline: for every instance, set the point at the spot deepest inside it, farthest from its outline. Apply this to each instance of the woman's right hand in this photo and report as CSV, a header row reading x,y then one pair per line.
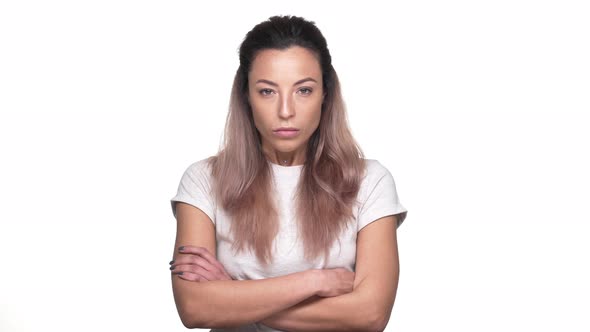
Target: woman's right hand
x,y
334,282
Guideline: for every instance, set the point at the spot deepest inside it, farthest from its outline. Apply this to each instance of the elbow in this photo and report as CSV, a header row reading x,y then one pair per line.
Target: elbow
x,y
370,325
377,325
373,324
372,318
187,323
187,317
376,320
191,310
191,316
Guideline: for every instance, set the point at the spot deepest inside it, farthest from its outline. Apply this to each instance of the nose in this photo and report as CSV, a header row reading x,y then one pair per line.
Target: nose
x,y
286,108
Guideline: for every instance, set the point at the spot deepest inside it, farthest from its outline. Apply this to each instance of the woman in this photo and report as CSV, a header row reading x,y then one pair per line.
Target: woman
x,y
271,231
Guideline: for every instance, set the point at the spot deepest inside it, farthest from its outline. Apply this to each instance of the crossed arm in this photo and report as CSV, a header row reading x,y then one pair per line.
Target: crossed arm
x,y
366,308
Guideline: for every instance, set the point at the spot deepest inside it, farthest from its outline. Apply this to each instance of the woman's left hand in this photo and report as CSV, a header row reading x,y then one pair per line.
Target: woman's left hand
x,y
198,264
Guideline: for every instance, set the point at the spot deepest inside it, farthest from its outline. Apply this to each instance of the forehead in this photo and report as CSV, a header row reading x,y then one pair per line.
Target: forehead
x,y
288,64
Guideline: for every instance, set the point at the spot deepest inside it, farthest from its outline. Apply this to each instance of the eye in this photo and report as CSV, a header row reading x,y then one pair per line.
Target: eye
x,y
305,91
265,92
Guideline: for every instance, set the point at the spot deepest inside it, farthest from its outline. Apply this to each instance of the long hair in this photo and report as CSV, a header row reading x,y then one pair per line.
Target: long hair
x,y
332,171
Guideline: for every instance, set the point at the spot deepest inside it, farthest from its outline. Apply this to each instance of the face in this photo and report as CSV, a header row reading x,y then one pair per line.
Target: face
x,y
285,91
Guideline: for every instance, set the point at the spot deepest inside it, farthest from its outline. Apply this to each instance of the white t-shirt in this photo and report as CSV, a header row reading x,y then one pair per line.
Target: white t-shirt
x,y
377,198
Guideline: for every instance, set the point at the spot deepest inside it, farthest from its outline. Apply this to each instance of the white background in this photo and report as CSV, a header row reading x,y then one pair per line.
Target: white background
x,y
478,109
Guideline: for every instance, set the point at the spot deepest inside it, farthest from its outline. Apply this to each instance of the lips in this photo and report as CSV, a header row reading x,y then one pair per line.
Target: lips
x,y
286,132
286,129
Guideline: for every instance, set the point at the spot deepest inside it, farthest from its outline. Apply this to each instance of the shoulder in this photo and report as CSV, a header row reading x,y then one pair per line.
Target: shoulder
x,y
378,195
199,168
376,176
374,165
374,170
200,165
198,175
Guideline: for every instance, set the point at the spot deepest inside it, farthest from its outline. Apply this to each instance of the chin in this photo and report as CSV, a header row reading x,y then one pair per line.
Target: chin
x,y
287,146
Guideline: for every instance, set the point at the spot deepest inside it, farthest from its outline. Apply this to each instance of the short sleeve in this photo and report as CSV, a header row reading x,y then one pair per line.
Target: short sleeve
x,y
379,196
195,189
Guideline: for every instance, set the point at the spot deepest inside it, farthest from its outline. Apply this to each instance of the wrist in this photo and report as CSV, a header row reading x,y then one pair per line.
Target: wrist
x,y
314,279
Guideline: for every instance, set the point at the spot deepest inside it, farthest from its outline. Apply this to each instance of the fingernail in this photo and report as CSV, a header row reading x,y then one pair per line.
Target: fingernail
x,y
181,248
172,268
171,262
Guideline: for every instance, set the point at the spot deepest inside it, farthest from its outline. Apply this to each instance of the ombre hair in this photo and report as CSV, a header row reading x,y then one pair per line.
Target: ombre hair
x,y
332,171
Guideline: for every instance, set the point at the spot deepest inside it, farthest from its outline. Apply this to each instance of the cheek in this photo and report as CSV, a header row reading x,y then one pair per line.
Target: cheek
x,y
255,112
261,119
258,122
315,116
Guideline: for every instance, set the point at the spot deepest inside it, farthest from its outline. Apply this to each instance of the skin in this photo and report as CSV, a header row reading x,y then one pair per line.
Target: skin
x,y
283,100
285,89
200,265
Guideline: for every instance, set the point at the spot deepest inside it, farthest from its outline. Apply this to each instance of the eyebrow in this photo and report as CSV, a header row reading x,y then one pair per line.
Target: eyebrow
x,y
307,79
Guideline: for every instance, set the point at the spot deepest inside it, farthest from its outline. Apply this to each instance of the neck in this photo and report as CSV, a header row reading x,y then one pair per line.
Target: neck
x,y
286,158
